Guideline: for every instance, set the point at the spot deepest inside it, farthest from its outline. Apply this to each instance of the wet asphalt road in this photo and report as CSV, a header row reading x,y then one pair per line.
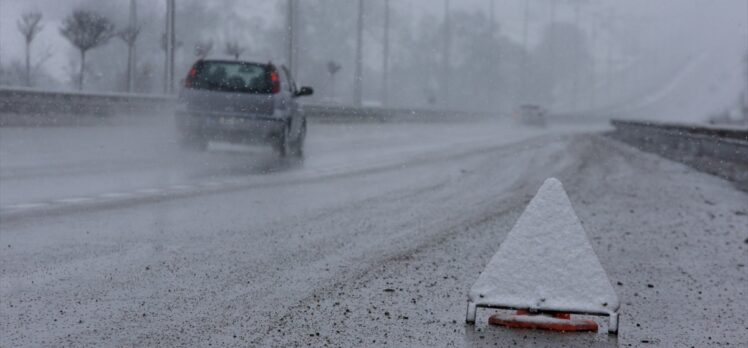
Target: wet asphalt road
x,y
112,236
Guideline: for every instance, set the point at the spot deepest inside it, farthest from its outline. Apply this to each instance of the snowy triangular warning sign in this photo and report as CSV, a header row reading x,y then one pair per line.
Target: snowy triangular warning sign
x,y
546,263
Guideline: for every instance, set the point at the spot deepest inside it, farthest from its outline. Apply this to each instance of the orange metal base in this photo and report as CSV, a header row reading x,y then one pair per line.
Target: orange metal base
x,y
554,322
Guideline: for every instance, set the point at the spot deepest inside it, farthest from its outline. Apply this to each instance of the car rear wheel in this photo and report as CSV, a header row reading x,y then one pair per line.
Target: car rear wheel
x,y
282,143
298,144
286,146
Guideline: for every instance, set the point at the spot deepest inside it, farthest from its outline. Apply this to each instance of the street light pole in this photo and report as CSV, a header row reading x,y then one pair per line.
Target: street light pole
x,y
577,55
2,71
593,49
131,54
525,25
358,74
553,44
445,56
745,97
173,40
386,56
493,60
169,56
492,16
526,50
290,35
609,54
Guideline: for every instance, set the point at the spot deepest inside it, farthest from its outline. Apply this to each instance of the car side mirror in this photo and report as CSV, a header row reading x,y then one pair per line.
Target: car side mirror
x,y
305,91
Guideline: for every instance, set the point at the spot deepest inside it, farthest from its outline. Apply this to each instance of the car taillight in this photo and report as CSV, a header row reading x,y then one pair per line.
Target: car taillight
x,y
190,77
275,82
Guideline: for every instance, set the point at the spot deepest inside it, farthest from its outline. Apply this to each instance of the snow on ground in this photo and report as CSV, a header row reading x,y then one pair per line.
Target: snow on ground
x,y
368,253
672,241
42,165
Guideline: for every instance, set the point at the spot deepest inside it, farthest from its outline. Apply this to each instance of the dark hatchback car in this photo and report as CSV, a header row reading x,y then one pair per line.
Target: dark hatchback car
x,y
241,102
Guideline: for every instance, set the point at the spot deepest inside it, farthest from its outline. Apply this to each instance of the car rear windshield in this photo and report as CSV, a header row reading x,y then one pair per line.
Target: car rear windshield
x,y
231,77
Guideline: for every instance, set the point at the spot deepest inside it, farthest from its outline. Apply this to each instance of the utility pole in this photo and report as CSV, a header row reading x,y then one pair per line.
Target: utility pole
x,y
492,17
358,74
609,55
2,71
445,57
386,56
553,43
131,65
593,70
525,25
170,40
291,35
745,97
577,54
554,7
526,50
173,41
493,60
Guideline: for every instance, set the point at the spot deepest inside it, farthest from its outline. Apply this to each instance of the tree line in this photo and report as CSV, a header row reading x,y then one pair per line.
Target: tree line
x,y
488,68
88,30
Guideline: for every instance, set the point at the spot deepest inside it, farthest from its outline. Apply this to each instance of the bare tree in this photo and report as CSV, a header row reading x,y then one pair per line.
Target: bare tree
x,y
202,49
86,30
130,35
234,49
177,44
29,25
333,67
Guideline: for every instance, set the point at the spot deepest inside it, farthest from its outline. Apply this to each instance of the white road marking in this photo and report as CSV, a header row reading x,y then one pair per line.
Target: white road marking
x,y
24,206
116,195
150,191
74,200
123,195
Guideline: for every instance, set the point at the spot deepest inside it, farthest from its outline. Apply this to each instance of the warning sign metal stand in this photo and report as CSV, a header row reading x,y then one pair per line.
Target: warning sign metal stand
x,y
546,270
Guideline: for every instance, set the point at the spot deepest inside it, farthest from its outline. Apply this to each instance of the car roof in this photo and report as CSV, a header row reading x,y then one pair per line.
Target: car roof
x,y
231,61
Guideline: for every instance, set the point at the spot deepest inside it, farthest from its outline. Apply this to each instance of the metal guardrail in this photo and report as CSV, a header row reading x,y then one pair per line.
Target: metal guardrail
x,y
342,113
718,151
727,144
33,101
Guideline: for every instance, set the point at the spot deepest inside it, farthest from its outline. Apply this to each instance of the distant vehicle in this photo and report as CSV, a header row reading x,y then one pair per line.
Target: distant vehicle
x,y
241,102
531,114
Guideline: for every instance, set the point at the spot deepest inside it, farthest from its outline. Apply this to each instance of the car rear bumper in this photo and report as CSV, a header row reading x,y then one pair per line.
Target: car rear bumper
x,y
231,127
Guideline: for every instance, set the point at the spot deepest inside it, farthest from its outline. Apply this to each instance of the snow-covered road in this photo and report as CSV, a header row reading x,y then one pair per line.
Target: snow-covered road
x,y
111,236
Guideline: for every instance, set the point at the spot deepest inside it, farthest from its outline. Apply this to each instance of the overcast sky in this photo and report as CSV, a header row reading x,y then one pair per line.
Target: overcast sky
x,y
509,13
667,31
